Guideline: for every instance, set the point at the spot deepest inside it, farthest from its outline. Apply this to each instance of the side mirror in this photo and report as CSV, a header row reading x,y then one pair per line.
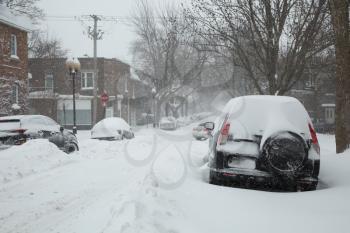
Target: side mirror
x,y
61,129
209,125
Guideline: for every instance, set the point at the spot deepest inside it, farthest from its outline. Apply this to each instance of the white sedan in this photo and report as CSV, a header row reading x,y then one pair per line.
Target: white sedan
x,y
113,128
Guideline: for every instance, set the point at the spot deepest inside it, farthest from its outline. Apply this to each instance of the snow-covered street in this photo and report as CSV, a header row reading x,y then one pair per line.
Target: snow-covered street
x,y
151,184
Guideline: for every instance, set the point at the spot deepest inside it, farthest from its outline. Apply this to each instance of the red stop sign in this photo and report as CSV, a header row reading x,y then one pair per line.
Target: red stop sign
x,y
104,98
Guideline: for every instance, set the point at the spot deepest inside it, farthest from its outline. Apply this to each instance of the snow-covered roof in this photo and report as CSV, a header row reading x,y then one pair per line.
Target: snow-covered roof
x,y
20,22
133,75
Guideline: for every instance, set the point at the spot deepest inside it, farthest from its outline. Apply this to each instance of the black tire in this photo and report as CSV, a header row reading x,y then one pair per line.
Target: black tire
x,y
284,154
213,178
71,147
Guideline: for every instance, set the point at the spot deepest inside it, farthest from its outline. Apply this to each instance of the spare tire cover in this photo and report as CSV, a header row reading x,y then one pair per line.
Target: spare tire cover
x,y
285,153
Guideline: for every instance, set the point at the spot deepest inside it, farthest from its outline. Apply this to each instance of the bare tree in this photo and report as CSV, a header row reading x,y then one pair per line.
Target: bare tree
x,y
272,40
40,45
25,7
162,54
341,26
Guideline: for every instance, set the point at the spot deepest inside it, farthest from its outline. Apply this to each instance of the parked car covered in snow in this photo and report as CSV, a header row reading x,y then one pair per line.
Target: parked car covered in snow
x,y
112,128
266,141
200,132
168,123
16,130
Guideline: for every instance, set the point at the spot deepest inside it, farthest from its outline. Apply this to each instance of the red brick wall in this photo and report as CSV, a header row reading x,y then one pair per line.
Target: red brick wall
x,y
13,70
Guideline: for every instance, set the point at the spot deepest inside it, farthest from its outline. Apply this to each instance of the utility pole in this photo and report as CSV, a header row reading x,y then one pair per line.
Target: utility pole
x,y
95,35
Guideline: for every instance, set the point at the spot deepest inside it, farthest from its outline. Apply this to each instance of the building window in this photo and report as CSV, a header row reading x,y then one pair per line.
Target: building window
x,y
87,80
13,45
49,82
311,82
330,115
15,93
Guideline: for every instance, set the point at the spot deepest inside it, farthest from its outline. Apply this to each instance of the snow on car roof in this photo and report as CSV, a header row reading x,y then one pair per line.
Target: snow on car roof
x,y
113,123
266,115
109,127
19,117
259,99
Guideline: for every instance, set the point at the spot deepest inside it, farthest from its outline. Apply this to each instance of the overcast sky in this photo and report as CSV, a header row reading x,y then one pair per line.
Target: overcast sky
x,y
118,35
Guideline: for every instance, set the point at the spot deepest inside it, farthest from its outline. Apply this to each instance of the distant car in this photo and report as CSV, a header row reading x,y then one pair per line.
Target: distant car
x,y
16,130
168,123
266,141
200,132
112,128
182,122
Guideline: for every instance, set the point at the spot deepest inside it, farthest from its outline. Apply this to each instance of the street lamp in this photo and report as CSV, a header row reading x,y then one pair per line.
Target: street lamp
x,y
154,92
73,67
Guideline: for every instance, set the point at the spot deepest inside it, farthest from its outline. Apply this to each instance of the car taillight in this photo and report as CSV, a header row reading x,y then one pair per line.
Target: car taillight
x,y
224,133
314,139
20,131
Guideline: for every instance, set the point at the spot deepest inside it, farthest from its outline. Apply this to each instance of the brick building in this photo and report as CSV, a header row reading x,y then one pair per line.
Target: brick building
x,y
50,90
13,62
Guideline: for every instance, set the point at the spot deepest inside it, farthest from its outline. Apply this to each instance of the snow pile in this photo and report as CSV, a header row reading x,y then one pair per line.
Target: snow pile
x,y
150,184
143,207
33,157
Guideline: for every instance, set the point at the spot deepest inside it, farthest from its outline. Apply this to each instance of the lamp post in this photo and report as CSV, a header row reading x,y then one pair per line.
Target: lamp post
x,y
119,99
73,66
154,91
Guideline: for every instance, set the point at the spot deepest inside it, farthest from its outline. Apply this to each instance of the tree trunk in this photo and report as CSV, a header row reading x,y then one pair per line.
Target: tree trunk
x,y
340,20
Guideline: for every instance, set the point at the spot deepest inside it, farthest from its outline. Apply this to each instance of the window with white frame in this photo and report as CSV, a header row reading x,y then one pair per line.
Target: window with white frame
x,y
87,80
330,115
15,93
48,82
13,45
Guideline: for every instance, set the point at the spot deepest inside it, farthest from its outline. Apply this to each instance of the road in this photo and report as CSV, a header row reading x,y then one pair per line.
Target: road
x,y
152,184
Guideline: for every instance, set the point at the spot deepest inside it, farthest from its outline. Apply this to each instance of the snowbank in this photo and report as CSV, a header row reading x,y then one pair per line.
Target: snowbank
x,y
33,157
105,190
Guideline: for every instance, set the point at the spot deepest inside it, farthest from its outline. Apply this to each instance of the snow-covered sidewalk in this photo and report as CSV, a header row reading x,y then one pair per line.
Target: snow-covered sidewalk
x,y
151,184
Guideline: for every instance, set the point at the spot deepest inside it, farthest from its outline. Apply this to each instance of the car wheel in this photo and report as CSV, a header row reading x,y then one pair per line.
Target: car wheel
x,y
71,147
213,178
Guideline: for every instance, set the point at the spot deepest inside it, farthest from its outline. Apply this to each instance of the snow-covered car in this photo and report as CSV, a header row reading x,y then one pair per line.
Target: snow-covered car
x,y
168,123
200,132
112,128
16,130
264,141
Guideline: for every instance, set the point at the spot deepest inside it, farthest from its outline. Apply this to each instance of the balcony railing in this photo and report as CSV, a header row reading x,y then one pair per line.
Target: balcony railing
x,y
42,92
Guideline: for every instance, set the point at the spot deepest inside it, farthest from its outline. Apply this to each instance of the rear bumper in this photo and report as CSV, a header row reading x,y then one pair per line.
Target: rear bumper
x,y
13,139
200,135
248,178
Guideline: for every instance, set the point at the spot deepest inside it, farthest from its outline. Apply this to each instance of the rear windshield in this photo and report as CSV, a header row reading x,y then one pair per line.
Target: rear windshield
x,y
9,124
